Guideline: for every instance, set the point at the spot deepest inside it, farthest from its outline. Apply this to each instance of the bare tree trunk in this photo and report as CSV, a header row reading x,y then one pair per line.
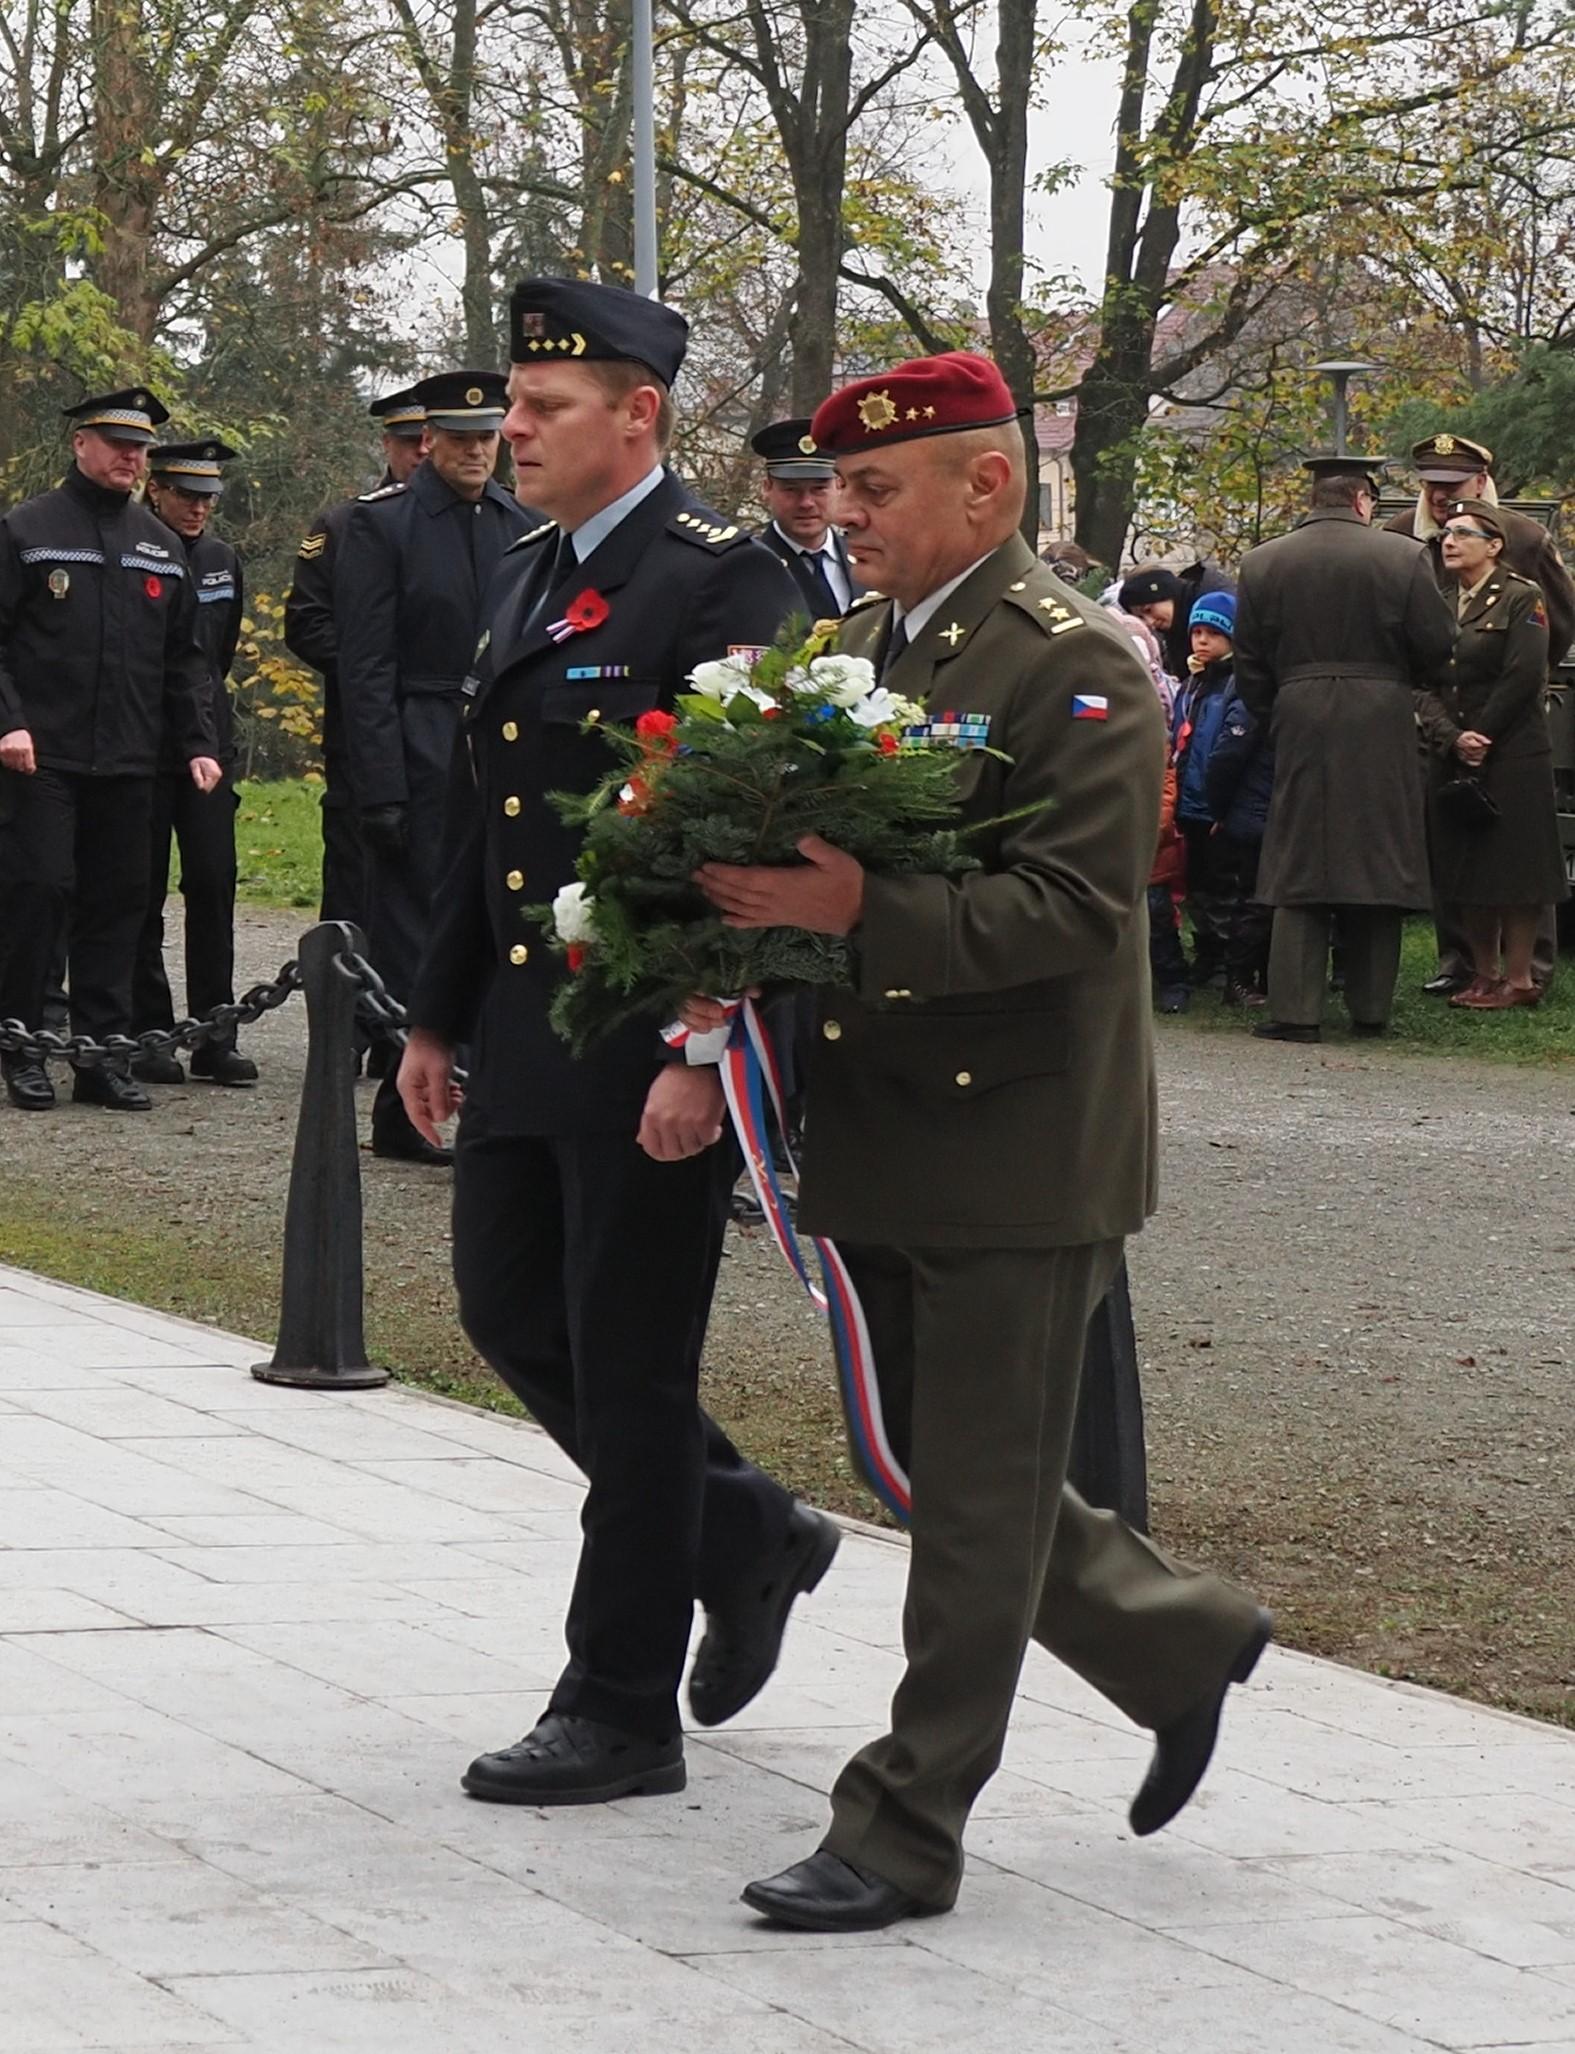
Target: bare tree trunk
x,y
126,189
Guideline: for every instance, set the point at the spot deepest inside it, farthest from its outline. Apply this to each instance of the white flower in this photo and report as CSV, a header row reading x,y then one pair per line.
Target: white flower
x,y
884,709
842,680
573,915
721,679
760,698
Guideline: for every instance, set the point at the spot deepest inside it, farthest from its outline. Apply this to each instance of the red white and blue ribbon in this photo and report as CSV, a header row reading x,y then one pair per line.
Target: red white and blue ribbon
x,y
752,1084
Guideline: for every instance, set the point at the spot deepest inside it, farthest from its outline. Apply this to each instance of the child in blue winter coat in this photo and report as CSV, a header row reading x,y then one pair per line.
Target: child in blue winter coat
x,y
1195,726
1239,779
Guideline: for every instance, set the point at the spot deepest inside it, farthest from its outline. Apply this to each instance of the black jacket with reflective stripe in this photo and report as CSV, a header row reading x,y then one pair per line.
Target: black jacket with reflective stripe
x,y
99,659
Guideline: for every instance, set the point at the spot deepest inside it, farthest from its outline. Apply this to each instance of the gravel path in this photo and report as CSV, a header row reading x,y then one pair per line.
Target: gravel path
x,y
1354,1313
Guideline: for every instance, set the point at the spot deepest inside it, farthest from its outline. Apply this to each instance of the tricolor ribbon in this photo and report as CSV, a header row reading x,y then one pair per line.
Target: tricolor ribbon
x,y
752,1085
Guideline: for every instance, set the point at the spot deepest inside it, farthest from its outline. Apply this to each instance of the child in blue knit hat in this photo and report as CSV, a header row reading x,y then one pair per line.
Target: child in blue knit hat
x,y
1200,705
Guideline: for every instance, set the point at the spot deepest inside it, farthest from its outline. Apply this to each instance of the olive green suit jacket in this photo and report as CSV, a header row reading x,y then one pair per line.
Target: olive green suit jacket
x,y
989,1082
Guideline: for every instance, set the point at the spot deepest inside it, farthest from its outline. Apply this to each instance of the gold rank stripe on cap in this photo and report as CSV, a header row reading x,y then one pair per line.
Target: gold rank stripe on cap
x,y
404,417
190,467
570,345
116,417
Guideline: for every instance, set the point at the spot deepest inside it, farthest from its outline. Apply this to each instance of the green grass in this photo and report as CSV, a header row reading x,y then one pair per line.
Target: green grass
x,y
279,843
1427,1026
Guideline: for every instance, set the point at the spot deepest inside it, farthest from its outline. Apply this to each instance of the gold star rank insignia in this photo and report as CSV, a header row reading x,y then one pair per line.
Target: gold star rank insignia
x,y
876,412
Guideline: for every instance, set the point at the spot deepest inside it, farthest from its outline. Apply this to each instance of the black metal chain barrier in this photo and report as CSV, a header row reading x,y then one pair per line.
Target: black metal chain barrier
x,y
376,1007
39,1045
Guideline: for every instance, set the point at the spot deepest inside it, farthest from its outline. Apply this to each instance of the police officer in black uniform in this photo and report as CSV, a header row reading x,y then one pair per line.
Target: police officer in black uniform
x,y
309,633
586,1235
185,480
412,569
796,492
99,665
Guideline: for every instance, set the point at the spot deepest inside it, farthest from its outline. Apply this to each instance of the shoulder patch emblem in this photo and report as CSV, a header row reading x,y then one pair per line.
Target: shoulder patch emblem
x,y
312,546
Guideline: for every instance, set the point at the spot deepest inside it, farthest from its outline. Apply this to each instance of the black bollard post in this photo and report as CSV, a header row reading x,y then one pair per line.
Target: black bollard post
x,y
321,1345
1109,1461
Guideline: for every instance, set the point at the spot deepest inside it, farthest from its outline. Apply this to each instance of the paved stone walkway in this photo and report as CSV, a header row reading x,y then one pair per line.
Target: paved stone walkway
x,y
249,1637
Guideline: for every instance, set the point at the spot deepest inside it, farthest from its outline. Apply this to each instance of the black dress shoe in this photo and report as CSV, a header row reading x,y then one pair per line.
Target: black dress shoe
x,y
1447,983
158,1069
1281,1030
222,1065
411,1148
1183,1749
569,1760
743,1641
112,1089
829,1895
29,1089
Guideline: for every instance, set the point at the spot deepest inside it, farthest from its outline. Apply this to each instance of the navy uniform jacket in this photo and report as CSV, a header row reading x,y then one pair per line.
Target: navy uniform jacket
x,y
408,584
683,586
220,592
794,559
309,631
98,651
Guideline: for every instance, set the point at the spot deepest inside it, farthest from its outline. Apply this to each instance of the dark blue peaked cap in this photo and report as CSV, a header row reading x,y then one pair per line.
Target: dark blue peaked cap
x,y
553,319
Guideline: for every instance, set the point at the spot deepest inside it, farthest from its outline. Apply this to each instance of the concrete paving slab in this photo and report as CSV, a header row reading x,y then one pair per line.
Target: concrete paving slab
x,y
249,1638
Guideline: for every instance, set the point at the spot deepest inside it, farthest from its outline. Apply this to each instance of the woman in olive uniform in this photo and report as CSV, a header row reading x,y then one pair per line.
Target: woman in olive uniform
x,y
1488,722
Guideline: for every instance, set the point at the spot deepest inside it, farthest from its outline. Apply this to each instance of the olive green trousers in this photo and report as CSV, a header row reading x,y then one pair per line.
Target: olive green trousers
x,y
978,1354
1299,962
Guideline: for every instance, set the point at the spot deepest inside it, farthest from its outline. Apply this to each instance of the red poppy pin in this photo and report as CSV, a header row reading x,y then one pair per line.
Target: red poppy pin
x,y
588,610
154,587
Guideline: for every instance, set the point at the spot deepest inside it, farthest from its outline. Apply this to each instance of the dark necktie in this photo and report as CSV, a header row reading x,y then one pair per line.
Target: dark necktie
x,y
561,566
896,642
817,563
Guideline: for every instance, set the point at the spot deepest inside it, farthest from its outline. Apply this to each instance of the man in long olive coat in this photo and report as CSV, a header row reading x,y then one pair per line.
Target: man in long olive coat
x,y
1337,625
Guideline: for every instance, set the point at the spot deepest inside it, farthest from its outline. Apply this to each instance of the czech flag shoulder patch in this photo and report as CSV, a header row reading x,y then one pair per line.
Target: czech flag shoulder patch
x,y
1090,706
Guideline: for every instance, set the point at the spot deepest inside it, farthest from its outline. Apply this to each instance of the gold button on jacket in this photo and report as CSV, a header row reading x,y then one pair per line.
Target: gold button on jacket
x,y
515,880
511,807
518,953
511,731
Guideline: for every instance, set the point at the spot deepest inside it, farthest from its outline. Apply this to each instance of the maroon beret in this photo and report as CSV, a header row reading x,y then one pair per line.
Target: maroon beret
x,y
926,396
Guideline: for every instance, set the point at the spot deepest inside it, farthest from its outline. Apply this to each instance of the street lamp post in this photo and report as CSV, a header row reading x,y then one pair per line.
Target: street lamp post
x,y
1340,375
644,83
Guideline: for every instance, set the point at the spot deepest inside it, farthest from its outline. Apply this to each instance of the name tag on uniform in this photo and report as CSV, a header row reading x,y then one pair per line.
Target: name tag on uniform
x,y
952,730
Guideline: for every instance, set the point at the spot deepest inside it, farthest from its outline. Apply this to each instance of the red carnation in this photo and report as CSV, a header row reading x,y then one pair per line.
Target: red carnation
x,y
588,611
574,955
889,745
657,730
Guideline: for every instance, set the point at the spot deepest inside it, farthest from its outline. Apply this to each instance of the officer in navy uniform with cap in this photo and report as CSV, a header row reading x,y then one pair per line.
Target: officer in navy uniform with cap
x,y
99,671
591,1193
796,492
411,572
185,480
310,634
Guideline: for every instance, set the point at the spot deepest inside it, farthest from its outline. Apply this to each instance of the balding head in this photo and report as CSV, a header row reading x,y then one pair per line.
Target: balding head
x,y
920,513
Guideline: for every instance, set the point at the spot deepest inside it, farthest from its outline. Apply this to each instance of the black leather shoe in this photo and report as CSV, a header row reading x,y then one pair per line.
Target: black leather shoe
x,y
411,1148
1183,1749
743,1642
569,1760
157,1069
29,1089
1446,983
829,1895
112,1089
222,1065
1280,1030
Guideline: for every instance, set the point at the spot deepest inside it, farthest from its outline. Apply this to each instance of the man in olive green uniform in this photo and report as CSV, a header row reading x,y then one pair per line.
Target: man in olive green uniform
x,y
1337,625
1451,468
981,1137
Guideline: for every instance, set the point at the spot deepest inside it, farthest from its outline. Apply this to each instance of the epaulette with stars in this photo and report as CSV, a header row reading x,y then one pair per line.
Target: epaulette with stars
x,y
1049,609
708,529
379,492
534,535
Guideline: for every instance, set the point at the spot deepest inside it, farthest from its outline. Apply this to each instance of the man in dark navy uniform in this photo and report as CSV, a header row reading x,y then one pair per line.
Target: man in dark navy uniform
x,y
412,569
590,1194
796,492
310,634
185,480
99,668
